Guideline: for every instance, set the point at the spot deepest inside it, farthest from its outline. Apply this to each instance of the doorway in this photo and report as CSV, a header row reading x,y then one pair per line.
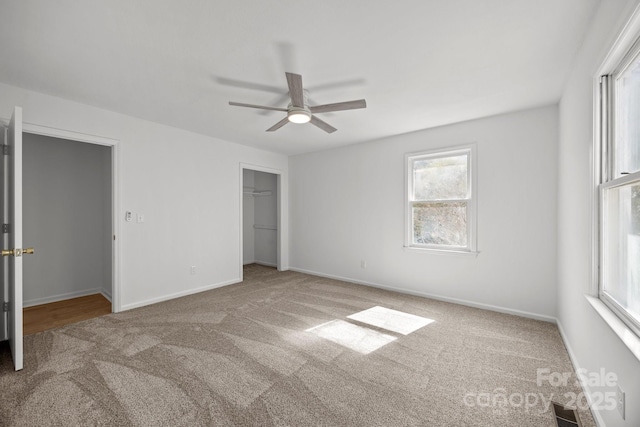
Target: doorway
x,y
67,211
260,211
11,322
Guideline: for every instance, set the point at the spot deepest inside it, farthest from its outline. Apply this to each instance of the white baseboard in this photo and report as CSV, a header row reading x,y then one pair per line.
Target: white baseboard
x,y
178,294
467,303
105,293
572,356
266,264
60,297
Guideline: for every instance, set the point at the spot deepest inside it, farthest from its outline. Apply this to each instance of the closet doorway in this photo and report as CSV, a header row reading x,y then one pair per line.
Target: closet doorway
x,y
260,241
67,216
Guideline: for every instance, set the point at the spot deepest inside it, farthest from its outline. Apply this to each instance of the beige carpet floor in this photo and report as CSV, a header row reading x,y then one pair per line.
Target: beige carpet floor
x,y
243,355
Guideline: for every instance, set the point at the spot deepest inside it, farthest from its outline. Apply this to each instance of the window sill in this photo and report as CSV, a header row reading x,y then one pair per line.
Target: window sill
x,y
628,337
440,251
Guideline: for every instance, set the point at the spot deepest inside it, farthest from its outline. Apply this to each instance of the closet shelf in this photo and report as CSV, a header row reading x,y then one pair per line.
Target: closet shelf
x,y
265,227
254,192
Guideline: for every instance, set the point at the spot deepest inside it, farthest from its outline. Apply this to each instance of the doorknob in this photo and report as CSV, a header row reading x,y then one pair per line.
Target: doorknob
x,y
17,252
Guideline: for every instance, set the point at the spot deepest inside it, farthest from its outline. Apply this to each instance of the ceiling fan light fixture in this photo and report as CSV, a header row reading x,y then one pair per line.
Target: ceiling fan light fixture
x,y
299,116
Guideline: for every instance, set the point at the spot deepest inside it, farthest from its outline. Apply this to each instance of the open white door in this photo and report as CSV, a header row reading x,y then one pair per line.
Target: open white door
x,y
14,181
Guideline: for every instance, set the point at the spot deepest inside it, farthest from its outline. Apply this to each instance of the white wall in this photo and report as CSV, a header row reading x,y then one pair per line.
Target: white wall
x,y
248,218
347,205
186,185
266,214
591,342
64,218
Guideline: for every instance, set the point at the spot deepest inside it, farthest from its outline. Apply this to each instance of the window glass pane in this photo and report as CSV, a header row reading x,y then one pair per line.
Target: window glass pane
x,y
441,178
627,127
621,236
443,223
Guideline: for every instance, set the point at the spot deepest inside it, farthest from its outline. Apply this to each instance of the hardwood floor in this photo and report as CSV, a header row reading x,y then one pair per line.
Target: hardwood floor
x,y
56,314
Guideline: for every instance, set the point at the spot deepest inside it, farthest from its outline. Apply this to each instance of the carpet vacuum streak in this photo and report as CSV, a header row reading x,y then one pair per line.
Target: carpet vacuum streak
x,y
247,355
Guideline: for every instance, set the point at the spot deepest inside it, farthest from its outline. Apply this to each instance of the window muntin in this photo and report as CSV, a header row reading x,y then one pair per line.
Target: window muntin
x,y
619,281
440,200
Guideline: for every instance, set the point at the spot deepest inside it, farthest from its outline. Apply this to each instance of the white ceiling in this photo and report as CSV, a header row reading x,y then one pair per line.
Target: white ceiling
x,y
418,63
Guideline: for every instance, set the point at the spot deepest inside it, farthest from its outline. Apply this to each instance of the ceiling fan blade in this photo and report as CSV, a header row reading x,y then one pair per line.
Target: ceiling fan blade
x,y
279,124
295,89
339,106
322,125
284,99
262,107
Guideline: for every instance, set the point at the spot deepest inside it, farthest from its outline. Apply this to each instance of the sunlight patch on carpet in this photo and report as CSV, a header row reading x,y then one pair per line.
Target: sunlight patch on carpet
x,y
362,340
391,320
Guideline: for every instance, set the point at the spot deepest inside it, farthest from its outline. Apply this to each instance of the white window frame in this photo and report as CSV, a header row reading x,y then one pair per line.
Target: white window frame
x,y
605,166
471,151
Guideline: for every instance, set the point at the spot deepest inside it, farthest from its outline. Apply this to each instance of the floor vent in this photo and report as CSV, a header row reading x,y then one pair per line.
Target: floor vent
x,y
565,417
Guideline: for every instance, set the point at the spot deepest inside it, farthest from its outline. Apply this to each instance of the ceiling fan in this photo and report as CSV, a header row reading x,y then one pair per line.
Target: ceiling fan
x,y
299,110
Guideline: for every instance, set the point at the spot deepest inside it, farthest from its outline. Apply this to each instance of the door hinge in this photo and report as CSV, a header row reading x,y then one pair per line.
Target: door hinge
x,y
5,228
5,150
5,306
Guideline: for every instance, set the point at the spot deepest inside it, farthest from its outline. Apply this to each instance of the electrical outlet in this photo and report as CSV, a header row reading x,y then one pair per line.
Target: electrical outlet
x,y
363,264
193,270
620,400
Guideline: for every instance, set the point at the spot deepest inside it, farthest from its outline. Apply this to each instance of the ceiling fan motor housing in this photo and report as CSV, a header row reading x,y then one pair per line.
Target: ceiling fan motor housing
x,y
298,114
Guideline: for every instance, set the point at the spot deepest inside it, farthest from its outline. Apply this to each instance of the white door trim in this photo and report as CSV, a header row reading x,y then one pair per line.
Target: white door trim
x,y
115,196
279,203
